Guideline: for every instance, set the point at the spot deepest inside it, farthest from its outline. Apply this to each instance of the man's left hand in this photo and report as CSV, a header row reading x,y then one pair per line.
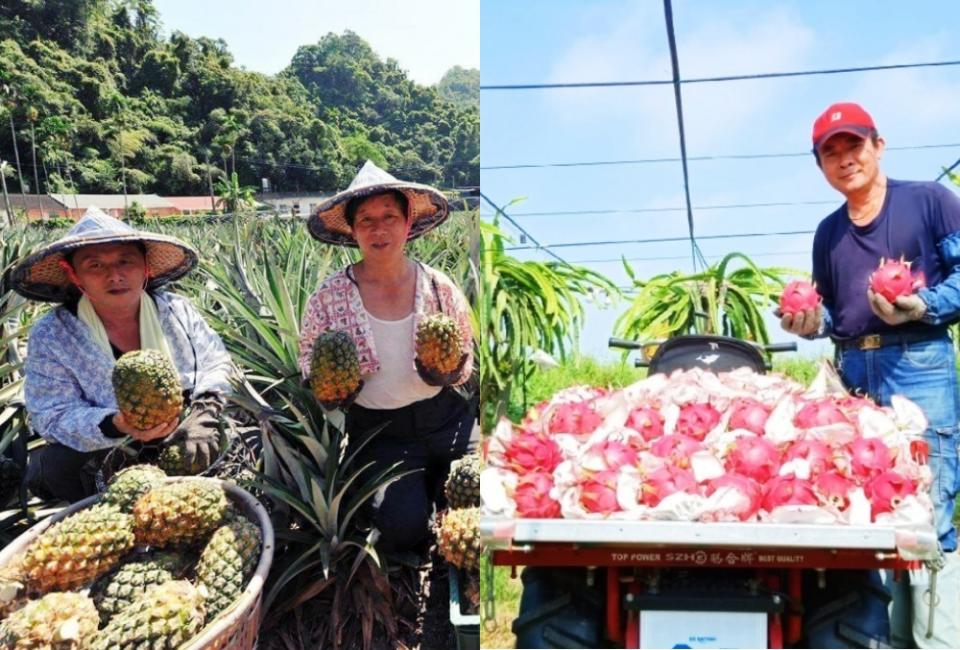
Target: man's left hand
x,y
903,310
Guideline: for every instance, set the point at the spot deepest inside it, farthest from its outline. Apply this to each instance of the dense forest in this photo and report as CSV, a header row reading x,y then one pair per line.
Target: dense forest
x,y
96,98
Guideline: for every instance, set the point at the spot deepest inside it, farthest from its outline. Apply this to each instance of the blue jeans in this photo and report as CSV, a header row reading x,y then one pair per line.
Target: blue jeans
x,y
924,372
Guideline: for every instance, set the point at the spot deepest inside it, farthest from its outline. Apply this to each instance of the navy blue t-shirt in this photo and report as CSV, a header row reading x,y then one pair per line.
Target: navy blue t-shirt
x,y
914,218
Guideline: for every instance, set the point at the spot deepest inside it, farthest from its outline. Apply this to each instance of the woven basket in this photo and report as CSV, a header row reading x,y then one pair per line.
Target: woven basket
x,y
236,628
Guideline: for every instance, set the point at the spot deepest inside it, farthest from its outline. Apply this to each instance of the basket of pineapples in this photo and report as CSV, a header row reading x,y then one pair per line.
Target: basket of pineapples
x,y
153,562
458,540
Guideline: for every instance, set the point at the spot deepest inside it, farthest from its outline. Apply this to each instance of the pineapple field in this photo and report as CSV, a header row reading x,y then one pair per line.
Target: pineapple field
x,y
158,559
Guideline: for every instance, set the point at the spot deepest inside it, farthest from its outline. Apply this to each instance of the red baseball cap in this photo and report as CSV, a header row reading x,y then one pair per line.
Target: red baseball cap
x,y
844,117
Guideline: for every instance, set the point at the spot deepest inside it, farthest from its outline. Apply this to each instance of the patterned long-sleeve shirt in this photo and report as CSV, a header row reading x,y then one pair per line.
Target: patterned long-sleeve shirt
x,y
68,385
337,305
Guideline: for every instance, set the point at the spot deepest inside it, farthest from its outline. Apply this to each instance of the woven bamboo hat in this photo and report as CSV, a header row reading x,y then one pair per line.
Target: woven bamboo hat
x,y
427,206
40,277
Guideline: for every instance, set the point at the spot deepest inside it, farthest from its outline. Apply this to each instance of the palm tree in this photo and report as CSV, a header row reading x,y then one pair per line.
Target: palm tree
x,y
234,196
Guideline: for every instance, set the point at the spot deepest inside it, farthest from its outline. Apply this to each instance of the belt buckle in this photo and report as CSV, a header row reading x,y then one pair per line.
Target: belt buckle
x,y
869,342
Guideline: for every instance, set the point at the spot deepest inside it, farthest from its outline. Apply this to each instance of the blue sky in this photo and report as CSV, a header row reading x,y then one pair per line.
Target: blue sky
x,y
540,41
427,37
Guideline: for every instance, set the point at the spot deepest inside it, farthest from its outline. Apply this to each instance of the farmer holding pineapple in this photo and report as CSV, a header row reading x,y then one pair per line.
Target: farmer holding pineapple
x,y
887,265
390,338
106,277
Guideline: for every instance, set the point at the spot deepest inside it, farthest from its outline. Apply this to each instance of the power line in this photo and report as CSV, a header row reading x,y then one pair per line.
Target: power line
x,y
648,161
660,258
721,206
523,230
948,170
697,80
659,240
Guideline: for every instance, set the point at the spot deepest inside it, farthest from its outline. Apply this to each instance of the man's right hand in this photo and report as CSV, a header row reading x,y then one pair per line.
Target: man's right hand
x,y
144,435
803,323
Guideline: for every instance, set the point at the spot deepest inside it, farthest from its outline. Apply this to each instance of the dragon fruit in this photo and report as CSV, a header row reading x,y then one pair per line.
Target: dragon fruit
x,y
815,452
788,491
646,421
749,414
868,457
819,413
665,481
893,279
613,454
834,489
754,457
798,296
577,418
745,486
887,490
676,448
599,492
532,496
529,452
696,420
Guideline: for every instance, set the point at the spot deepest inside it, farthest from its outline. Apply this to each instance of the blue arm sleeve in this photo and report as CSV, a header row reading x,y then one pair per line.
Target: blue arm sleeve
x,y
943,300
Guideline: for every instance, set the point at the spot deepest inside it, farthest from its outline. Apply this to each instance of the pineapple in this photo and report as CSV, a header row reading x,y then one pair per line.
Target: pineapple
x,y
463,484
226,563
58,621
147,388
130,484
179,513
438,343
115,591
78,549
172,460
459,538
164,618
334,367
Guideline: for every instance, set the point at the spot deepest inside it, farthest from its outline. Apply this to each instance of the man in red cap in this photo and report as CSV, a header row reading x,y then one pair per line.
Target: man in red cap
x,y
903,347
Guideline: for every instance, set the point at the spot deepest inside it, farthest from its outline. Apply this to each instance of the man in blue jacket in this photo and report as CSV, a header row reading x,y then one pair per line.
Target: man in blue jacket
x,y
902,347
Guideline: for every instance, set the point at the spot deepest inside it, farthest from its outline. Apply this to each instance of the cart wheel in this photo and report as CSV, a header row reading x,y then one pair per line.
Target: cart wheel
x,y
850,612
558,609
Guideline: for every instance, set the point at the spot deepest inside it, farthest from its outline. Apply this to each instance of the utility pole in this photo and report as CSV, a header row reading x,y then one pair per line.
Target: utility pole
x,y
206,161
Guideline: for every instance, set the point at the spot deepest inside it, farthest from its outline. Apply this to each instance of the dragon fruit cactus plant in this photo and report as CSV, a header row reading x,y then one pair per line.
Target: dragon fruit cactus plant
x,y
749,414
798,296
893,278
754,457
697,420
532,496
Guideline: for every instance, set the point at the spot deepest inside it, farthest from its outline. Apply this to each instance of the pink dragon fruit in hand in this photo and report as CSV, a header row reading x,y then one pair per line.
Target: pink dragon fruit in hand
x,y
599,492
887,490
676,448
646,421
613,454
893,278
815,452
755,457
577,418
744,485
819,413
665,481
696,420
798,296
532,496
788,491
748,414
834,489
530,452
868,457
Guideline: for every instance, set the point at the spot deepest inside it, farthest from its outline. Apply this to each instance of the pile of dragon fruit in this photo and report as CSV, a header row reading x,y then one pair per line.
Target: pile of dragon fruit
x,y
696,446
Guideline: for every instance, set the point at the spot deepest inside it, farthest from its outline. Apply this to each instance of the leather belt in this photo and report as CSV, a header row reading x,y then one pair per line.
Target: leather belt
x,y
876,341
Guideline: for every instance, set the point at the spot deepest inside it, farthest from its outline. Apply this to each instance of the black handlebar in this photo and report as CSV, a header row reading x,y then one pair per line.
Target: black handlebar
x,y
626,344
781,347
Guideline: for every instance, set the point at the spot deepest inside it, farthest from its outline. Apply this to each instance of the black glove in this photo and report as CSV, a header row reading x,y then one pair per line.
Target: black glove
x,y
200,433
432,377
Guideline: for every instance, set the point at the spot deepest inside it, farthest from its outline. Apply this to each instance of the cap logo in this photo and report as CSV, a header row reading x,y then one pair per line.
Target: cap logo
x,y
835,116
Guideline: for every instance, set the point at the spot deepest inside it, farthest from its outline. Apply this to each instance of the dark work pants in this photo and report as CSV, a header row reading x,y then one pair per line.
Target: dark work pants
x,y
60,472
425,436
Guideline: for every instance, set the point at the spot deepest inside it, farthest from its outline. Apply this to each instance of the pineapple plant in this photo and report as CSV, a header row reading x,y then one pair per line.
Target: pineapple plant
x,y
459,538
462,488
334,367
226,563
439,346
115,591
147,388
130,484
78,549
58,621
184,512
164,618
